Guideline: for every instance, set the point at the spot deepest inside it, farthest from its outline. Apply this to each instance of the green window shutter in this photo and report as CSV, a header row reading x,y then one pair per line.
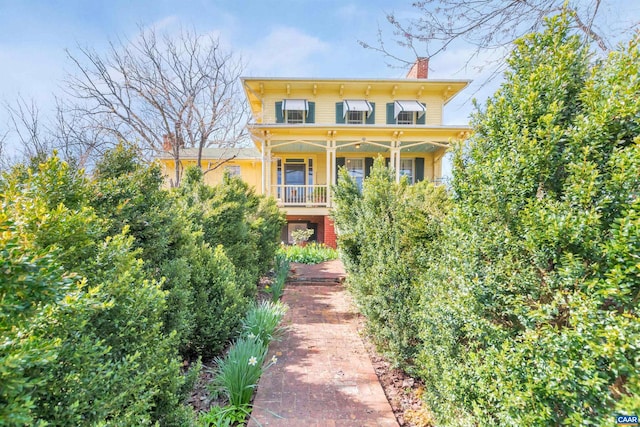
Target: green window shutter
x,y
419,165
339,112
371,119
311,113
368,164
279,112
422,120
391,120
340,162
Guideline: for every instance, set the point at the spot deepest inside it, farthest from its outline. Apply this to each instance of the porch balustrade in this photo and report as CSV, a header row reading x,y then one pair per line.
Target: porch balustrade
x,y
301,195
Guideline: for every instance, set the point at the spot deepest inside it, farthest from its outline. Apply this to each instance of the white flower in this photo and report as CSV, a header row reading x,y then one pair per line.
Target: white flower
x,y
274,360
253,361
251,336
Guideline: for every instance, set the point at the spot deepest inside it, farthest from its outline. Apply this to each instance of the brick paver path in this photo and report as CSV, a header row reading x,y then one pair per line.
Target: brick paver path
x,y
324,376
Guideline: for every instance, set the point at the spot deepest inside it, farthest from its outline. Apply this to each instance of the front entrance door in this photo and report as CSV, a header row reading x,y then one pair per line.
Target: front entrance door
x,y
294,181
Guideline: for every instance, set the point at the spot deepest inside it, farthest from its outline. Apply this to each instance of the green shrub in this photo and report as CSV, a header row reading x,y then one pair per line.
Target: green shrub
x,y
516,301
219,303
232,215
388,221
31,288
129,196
112,359
312,253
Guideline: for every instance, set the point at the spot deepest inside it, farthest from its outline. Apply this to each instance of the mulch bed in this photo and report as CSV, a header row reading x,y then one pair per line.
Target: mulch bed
x,y
403,392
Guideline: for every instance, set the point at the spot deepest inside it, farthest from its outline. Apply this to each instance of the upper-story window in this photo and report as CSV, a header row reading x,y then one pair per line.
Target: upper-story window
x,y
294,116
355,117
355,112
408,112
406,118
295,111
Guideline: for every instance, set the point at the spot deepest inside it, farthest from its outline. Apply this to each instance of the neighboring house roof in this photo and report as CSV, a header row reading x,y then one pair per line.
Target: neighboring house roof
x,y
246,153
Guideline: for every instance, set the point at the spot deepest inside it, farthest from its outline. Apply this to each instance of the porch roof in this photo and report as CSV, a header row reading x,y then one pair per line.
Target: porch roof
x,y
356,138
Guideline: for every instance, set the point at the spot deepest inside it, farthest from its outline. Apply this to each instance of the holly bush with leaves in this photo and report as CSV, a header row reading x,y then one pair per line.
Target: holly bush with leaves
x,y
524,294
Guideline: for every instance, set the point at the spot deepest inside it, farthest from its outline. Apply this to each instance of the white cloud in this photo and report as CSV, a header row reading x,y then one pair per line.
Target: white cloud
x,y
285,51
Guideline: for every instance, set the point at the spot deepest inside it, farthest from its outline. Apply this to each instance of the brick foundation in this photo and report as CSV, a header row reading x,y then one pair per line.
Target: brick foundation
x,y
329,233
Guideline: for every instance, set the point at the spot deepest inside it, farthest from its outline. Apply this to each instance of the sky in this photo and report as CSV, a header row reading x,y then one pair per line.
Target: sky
x,y
284,38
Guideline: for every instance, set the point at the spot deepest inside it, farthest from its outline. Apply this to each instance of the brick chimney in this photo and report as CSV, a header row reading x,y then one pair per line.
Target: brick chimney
x,y
420,69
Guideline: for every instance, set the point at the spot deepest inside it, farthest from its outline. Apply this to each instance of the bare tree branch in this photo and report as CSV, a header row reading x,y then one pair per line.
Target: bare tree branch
x,y
165,93
485,25
24,119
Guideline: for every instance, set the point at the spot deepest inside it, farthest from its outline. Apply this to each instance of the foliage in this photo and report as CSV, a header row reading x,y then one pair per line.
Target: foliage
x,y
104,332
232,215
104,280
312,253
388,221
218,301
262,320
129,195
31,289
301,235
238,372
224,416
516,301
281,267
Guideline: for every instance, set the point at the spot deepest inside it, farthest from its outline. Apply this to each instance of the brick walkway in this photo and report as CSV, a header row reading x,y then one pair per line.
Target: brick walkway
x,y
324,376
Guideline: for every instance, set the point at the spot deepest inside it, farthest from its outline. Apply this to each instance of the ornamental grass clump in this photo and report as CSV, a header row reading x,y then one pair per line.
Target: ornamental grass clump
x,y
276,289
239,372
262,321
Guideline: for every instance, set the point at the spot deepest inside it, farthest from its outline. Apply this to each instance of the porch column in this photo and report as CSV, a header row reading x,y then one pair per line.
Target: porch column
x,y
395,158
331,166
264,168
267,176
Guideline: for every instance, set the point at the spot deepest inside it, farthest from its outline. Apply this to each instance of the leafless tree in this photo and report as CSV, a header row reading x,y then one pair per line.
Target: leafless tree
x,y
164,92
486,25
4,161
36,136
25,122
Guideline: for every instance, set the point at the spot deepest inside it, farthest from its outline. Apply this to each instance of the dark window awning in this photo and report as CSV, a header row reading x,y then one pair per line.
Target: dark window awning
x,y
357,105
413,106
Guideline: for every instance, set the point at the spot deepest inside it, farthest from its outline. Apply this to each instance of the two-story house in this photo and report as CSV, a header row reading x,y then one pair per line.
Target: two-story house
x,y
304,129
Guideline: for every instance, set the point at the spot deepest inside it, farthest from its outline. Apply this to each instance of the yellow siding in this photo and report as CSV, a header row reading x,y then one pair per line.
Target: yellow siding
x,y
325,112
250,172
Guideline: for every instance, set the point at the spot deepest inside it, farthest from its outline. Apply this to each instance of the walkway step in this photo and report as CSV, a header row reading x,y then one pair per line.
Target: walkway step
x,y
323,376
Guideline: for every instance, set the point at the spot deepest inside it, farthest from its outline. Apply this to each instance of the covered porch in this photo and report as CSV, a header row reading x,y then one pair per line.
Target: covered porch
x,y
299,172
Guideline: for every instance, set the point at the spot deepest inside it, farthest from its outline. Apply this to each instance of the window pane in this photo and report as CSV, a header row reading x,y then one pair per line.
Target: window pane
x,y
406,169
355,117
406,118
295,116
355,167
233,170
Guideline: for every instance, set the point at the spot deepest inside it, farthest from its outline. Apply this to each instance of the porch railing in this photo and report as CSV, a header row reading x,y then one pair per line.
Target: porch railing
x,y
300,195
